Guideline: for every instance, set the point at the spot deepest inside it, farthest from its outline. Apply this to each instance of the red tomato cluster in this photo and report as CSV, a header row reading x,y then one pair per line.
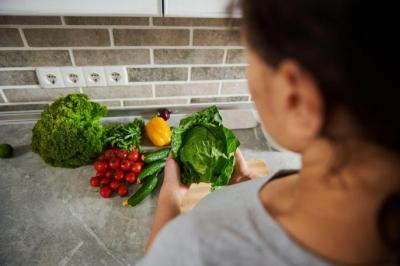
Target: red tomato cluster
x,y
115,170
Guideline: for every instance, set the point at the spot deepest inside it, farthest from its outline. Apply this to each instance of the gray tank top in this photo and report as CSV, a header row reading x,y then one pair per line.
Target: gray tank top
x,y
228,227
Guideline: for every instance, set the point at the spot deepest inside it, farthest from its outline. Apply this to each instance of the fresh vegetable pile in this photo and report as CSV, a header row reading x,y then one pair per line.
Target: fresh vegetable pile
x,y
204,148
69,133
116,170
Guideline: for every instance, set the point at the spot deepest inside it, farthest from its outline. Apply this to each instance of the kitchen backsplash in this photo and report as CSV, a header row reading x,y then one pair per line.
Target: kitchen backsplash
x,y
170,61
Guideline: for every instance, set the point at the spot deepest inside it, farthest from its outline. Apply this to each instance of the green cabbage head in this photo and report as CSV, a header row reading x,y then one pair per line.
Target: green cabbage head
x,y
204,148
69,133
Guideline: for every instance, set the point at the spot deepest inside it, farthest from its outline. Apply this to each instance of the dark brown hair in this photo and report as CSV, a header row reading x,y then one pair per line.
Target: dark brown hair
x,y
350,48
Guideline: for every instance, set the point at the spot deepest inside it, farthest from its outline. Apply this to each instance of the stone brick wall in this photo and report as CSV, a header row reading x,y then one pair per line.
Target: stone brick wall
x,y
170,61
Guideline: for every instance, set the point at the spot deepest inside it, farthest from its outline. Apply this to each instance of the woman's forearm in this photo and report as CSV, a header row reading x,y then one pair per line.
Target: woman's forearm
x,y
168,207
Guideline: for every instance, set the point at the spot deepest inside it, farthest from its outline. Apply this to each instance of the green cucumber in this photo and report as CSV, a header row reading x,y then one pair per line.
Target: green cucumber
x,y
156,155
151,169
148,186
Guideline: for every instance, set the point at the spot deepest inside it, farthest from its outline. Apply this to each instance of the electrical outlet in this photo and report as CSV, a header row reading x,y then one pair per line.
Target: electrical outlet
x,y
116,75
50,77
73,77
94,76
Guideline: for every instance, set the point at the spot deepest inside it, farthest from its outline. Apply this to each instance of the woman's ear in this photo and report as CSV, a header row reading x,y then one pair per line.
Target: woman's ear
x,y
300,103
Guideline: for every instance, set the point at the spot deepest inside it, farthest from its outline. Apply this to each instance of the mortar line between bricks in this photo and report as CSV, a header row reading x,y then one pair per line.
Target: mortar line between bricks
x,y
220,88
191,37
3,96
71,57
184,65
128,27
153,90
24,41
161,98
20,87
111,36
190,95
123,47
16,68
139,83
140,66
171,105
225,56
189,73
151,56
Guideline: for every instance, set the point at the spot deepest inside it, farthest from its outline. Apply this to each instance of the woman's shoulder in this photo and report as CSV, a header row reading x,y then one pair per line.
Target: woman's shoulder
x,y
228,227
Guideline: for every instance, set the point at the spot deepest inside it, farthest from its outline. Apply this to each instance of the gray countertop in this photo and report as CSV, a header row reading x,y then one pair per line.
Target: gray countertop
x,y
51,216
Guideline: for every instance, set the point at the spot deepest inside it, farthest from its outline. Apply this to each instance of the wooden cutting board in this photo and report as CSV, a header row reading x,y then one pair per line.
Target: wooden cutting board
x,y
198,191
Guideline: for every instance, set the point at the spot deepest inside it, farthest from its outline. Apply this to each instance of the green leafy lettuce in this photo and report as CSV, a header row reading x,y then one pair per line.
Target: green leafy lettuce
x,y
125,136
69,133
204,148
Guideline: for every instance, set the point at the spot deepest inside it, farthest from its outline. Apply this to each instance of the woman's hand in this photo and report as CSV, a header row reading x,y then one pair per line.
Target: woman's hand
x,y
169,200
242,171
172,190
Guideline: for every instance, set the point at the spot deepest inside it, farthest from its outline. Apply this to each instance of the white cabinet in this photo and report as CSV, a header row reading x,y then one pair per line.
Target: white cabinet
x,y
82,7
197,8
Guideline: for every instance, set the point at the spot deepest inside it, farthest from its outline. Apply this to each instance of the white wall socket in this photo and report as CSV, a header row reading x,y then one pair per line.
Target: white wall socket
x,y
116,75
95,76
73,77
50,77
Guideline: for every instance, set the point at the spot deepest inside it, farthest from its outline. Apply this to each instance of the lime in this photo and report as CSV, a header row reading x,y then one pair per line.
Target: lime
x,y
6,150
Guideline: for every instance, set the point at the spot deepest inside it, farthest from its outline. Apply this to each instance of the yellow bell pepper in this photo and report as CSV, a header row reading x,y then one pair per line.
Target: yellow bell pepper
x,y
158,131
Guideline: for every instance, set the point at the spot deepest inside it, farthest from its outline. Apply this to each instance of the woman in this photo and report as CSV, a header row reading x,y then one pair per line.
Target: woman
x,y
324,87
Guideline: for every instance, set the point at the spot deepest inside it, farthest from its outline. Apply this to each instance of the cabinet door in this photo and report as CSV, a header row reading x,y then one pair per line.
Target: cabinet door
x,y
197,8
82,7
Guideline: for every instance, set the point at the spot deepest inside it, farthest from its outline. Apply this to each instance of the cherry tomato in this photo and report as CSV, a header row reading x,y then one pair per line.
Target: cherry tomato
x,y
131,178
105,181
122,154
99,174
114,163
109,174
105,192
125,165
114,185
108,154
100,166
134,156
119,175
123,190
136,168
95,181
